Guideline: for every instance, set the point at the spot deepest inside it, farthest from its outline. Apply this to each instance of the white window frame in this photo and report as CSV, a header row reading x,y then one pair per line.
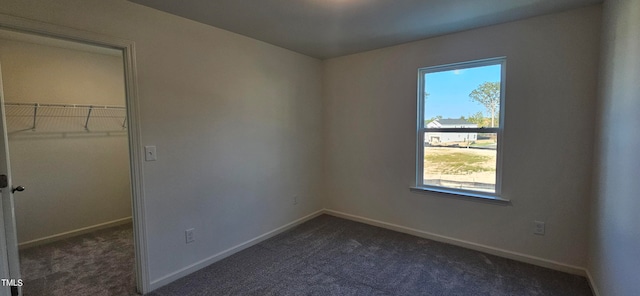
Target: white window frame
x,y
422,129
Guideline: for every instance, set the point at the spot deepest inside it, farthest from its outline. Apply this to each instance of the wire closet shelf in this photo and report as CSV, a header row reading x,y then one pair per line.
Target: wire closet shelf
x,y
64,117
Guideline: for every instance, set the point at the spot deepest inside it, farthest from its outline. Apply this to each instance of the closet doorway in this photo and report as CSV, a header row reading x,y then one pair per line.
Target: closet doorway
x,y
67,125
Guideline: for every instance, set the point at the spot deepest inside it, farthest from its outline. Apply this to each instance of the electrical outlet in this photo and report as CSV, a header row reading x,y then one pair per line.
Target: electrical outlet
x,y
538,227
189,236
295,199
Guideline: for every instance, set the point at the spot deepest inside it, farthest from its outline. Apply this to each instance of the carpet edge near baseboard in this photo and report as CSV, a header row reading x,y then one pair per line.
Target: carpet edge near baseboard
x,y
576,270
155,284
72,233
592,283
581,271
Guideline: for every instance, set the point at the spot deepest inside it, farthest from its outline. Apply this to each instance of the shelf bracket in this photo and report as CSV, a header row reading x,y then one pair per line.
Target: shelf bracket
x,y
86,123
35,115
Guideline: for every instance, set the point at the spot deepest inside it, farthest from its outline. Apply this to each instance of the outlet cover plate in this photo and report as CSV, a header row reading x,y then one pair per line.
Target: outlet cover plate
x,y
538,227
189,235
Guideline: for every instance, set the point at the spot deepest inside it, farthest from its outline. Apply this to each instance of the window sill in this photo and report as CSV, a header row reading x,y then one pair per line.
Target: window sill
x,y
474,196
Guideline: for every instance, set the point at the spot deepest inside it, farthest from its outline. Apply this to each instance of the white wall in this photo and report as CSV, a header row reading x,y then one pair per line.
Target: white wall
x,y
551,79
53,74
241,126
615,231
74,179
237,124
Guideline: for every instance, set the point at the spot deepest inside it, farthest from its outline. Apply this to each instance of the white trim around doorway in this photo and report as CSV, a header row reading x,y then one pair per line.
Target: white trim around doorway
x,y
135,153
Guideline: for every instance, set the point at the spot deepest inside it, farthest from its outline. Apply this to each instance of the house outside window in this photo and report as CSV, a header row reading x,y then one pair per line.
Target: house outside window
x,y
436,138
459,131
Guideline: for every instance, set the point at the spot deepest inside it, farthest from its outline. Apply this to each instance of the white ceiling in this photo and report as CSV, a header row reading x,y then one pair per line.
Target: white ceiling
x,y
330,28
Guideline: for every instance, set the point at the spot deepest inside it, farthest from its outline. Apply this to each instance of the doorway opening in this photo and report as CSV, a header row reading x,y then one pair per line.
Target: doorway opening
x,y
69,127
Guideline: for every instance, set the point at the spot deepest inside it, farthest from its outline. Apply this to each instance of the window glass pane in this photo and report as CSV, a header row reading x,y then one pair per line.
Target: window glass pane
x,y
467,97
461,160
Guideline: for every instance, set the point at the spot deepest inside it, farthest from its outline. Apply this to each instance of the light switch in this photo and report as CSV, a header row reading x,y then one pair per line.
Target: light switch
x,y
150,153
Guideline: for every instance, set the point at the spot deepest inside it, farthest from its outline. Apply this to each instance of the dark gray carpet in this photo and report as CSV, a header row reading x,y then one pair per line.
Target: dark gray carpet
x,y
96,264
333,256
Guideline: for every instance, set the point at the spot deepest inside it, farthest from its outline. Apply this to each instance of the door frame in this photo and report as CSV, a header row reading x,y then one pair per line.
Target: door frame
x,y
8,270
135,152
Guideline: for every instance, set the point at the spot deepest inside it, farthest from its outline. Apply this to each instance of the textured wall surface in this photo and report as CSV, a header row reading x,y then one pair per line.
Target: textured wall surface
x,y
236,122
551,85
615,230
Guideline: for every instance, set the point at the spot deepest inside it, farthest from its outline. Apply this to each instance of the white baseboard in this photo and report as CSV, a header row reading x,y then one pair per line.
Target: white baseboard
x,y
436,237
228,252
592,283
72,233
466,244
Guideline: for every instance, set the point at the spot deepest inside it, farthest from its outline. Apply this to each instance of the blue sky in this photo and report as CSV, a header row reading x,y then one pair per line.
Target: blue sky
x,y
449,91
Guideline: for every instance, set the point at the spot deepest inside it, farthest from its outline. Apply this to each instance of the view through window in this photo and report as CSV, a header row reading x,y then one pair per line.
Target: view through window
x,y
459,126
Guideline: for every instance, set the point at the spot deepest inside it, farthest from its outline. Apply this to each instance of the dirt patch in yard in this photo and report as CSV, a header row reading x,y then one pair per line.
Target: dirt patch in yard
x,y
460,164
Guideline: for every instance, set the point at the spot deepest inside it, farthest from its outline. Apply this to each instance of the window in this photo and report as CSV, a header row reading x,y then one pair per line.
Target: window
x,y
460,122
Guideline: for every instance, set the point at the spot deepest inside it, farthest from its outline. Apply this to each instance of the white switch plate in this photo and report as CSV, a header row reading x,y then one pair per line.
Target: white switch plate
x,y
150,153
